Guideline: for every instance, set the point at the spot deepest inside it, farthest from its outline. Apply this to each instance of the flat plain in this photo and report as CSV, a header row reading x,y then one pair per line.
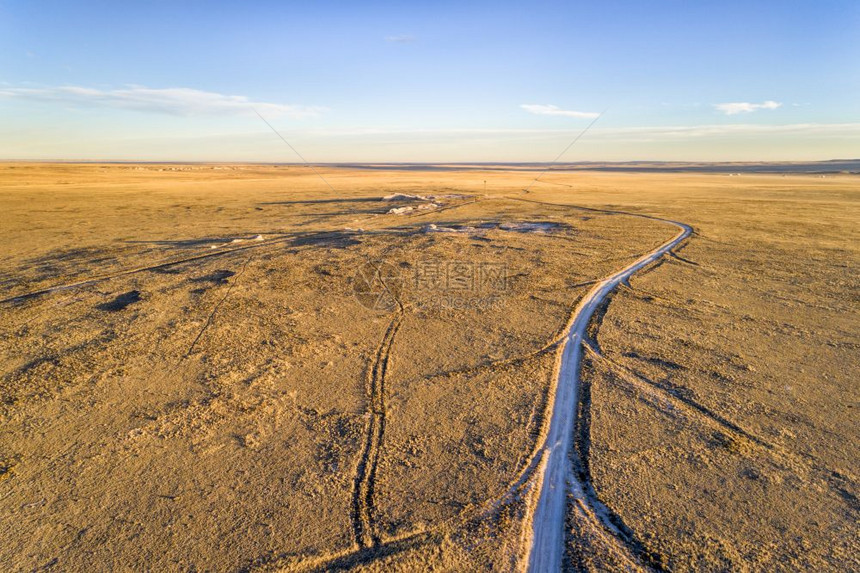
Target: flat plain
x,y
244,367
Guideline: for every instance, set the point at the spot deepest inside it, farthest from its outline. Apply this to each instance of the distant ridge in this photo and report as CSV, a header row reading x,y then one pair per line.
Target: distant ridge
x,y
851,166
832,166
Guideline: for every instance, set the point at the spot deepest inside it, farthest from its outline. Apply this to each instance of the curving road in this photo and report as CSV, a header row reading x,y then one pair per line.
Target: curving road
x,y
554,473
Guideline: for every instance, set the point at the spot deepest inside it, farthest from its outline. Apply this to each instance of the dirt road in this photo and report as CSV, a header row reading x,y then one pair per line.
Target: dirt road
x,y
554,472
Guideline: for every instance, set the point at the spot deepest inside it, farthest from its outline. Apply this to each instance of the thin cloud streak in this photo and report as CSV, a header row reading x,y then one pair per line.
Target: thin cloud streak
x,y
734,108
171,101
663,132
733,142
546,109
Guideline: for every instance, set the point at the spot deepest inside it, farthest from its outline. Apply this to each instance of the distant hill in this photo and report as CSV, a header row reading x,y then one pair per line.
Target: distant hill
x,y
811,167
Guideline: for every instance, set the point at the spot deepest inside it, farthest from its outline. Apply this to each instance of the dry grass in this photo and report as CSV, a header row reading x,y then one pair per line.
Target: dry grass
x,y
721,415
222,405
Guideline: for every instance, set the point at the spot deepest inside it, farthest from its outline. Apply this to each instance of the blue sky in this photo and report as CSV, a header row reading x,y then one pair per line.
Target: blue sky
x,y
421,81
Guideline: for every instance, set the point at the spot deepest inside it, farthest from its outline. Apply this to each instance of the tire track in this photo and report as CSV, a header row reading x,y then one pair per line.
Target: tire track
x,y
364,515
536,462
624,538
555,473
215,309
342,560
276,238
155,267
370,546
837,481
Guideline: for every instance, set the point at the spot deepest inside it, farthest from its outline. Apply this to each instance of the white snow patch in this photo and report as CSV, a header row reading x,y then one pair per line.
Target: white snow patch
x,y
257,238
449,196
528,227
431,228
431,198
404,197
404,210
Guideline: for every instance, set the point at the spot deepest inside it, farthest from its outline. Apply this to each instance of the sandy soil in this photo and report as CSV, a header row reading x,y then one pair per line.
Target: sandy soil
x,y
233,381
733,367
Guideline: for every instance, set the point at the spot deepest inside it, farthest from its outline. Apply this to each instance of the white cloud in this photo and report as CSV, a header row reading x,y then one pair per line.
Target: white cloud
x,y
541,109
402,39
173,101
734,108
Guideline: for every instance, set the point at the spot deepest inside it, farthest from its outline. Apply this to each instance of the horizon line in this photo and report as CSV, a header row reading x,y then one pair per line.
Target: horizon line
x,y
465,163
